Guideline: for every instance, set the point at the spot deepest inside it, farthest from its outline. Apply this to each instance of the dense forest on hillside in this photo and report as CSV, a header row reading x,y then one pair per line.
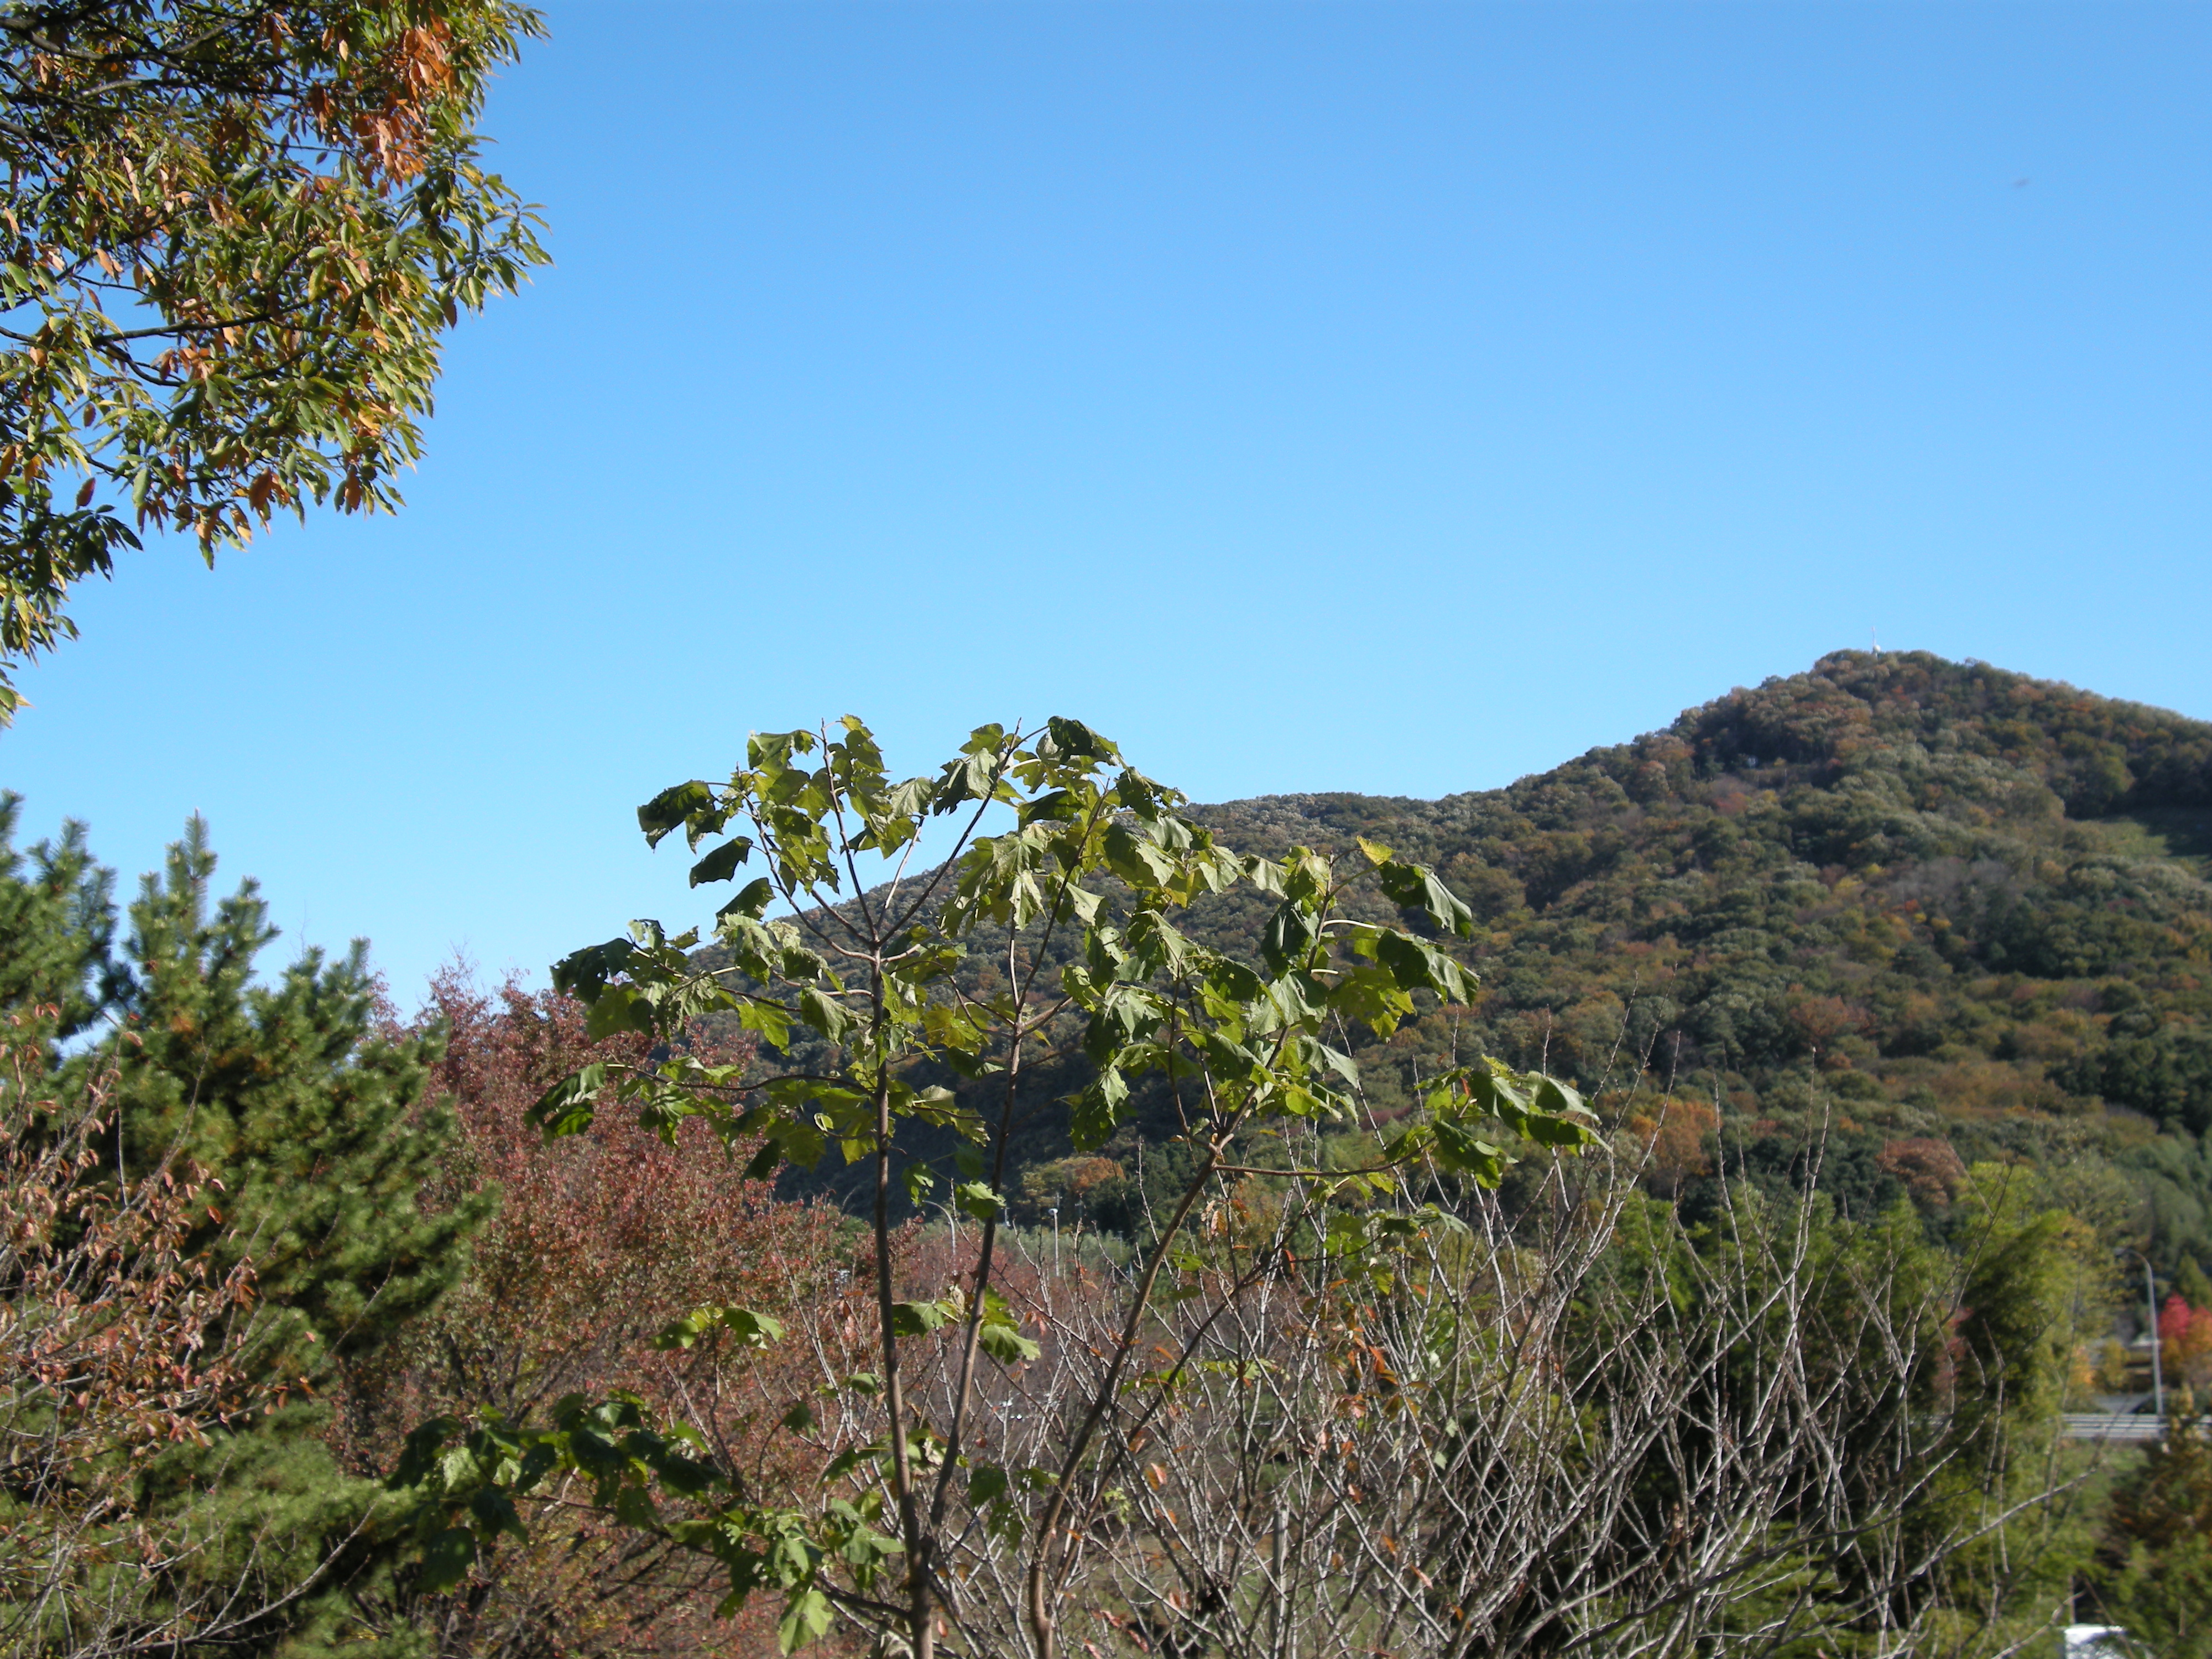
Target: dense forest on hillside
x,y
1919,912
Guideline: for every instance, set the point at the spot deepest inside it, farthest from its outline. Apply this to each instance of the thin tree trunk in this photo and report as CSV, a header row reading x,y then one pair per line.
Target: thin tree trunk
x,y
920,1622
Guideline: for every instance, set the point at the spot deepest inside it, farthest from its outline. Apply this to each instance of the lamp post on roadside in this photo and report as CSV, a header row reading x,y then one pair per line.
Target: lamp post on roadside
x,y
2157,1365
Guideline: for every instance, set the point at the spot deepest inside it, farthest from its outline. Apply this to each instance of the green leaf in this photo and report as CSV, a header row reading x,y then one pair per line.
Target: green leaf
x,y
722,863
685,1477
1005,1344
1054,806
805,1617
753,1330
1095,1113
1372,996
977,1199
1494,1092
634,1508
684,1332
1121,1013
1415,887
763,1162
998,1334
446,1559
1458,1149
824,1015
1342,1064
1134,859
568,1107
618,1008
1418,965
1074,740
1553,1120
800,965
672,808
1289,935
583,974
752,898
1558,1132
801,1142
494,1513
770,1020
1557,1098
419,1456
918,1318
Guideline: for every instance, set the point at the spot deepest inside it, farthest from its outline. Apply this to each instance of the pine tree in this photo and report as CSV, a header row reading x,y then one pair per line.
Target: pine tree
x,y
56,922
311,1113
307,1110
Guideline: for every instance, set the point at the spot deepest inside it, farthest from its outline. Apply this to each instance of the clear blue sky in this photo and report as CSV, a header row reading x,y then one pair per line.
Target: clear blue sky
x,y
1374,397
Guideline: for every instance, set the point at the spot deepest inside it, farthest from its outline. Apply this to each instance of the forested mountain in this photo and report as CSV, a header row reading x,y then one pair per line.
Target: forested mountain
x,y
1912,913
1951,912
1928,935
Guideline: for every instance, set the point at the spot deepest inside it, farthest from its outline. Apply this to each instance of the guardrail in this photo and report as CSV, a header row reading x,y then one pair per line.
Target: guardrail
x,y
2113,1425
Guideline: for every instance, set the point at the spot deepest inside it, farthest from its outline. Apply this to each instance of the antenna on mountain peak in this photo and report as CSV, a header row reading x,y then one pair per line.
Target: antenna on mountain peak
x,y
1873,641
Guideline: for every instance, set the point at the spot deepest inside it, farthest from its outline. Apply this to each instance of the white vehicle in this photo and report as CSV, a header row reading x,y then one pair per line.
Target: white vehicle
x,y
2098,1641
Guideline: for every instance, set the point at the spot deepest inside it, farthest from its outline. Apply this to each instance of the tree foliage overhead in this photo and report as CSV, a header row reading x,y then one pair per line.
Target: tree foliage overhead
x,y
232,234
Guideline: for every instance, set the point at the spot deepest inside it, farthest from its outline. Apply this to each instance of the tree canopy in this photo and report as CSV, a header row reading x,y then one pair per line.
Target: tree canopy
x,y
232,235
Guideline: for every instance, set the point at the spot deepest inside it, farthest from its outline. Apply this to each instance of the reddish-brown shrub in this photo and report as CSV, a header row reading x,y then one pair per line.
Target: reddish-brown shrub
x,y
1676,1130
1930,1168
2185,1336
116,1342
600,1242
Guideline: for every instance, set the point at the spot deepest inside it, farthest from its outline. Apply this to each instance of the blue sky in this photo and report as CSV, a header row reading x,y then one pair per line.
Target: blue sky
x,y
1374,397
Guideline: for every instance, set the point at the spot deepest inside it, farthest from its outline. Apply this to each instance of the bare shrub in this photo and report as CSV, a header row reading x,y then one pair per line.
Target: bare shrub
x,y
1561,1425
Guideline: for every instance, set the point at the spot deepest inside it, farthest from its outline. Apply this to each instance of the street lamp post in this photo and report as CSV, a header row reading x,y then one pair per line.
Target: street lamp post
x,y
2157,1364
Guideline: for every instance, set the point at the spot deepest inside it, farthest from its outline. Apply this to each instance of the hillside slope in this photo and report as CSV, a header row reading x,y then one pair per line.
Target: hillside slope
x,y
1953,912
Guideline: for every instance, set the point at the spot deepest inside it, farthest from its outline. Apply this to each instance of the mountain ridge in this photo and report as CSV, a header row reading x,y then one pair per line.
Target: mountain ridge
x,y
1941,902
1895,914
